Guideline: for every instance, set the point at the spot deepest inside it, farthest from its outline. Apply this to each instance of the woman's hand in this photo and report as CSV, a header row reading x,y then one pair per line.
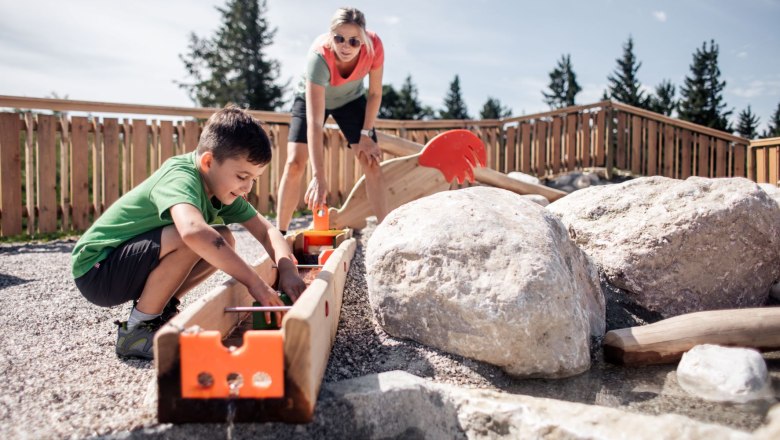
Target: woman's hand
x,y
317,193
369,149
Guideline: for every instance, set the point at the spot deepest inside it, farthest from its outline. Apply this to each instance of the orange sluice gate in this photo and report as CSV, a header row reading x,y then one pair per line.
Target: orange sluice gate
x,y
211,370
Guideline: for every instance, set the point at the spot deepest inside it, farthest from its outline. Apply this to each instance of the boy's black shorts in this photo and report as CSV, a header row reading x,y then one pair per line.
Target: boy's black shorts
x,y
122,275
349,117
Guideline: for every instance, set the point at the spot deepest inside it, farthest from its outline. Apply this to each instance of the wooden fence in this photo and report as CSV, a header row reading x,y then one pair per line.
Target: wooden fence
x,y
765,161
59,172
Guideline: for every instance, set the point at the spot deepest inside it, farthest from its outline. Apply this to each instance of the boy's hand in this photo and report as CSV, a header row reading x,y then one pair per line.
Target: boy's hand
x,y
291,284
268,297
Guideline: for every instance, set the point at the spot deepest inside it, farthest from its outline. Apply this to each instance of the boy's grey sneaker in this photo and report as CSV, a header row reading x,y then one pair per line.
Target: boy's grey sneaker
x,y
138,342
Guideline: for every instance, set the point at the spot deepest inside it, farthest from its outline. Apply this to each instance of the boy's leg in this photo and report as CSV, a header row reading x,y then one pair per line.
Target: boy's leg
x,y
179,270
290,184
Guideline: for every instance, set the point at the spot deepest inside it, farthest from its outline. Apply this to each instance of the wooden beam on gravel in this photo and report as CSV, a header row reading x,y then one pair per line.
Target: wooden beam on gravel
x,y
309,331
665,341
402,147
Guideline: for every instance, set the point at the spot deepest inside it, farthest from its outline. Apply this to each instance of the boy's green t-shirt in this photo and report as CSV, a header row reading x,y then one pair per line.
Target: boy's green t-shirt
x,y
146,207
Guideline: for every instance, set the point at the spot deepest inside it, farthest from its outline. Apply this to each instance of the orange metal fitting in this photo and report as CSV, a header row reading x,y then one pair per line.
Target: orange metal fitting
x,y
211,370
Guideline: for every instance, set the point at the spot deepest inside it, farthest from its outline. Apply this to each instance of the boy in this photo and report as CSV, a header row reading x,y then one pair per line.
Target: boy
x,y
155,243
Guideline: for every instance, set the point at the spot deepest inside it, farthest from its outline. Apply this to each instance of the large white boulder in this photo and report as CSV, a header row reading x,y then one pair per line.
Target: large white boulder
x,y
483,273
680,246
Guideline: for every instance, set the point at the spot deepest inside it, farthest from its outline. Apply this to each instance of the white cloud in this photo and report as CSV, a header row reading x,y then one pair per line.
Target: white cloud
x,y
660,16
742,54
757,88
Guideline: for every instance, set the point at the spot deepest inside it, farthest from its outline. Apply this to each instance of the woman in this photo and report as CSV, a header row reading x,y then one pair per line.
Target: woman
x,y
333,85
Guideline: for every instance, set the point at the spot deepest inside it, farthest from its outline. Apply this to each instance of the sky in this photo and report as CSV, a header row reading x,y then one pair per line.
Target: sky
x,y
128,51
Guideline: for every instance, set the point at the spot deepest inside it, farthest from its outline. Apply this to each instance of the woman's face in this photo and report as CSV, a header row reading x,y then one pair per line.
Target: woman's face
x,y
346,41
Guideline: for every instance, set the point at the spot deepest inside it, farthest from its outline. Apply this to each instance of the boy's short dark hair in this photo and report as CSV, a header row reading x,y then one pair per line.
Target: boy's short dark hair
x,y
232,133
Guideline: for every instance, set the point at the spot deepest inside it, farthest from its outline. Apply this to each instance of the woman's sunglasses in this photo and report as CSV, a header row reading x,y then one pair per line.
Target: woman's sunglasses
x,y
353,41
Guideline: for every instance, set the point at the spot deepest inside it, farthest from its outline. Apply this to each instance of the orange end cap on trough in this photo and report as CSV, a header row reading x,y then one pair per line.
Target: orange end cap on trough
x,y
256,368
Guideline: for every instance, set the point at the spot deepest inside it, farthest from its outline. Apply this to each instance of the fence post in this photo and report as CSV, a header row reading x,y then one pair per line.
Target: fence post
x,y
611,145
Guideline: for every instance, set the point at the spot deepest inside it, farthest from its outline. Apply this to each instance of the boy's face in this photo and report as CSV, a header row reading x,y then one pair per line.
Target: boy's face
x,y
231,179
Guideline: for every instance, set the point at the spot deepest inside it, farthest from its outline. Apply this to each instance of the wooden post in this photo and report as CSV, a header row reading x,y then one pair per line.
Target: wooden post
x,y
111,166
10,175
79,181
97,169
636,144
65,172
29,167
46,172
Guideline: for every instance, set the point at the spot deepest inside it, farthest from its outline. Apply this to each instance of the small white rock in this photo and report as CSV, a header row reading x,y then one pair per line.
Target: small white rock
x,y
517,175
724,374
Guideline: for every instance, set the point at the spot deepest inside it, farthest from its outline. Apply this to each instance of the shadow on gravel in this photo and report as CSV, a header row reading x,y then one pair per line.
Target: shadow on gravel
x,y
10,280
38,248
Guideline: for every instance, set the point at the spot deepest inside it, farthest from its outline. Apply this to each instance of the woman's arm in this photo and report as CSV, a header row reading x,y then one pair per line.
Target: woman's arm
x,y
317,192
367,146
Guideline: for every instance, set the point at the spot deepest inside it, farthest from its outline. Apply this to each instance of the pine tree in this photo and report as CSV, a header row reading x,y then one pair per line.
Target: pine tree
x,y
389,106
454,107
409,106
624,86
773,128
663,101
563,85
494,110
231,66
702,92
747,126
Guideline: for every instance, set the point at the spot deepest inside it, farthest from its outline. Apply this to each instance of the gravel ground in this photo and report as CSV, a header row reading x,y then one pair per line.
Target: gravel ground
x,y
63,380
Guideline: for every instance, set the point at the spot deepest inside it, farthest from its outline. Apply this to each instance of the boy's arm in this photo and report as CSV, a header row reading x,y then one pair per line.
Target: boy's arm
x,y
211,246
274,243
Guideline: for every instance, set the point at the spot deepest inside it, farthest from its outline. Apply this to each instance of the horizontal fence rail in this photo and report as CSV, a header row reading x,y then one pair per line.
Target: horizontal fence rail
x,y
59,172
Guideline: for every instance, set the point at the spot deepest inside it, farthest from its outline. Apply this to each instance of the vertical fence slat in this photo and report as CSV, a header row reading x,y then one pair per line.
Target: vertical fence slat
x,y
571,142
10,174
65,172
97,169
281,155
138,154
686,153
29,171
721,160
762,174
166,141
703,168
332,150
636,144
511,146
587,158
556,143
669,153
540,142
622,148
652,148
79,146
525,148
154,147
47,173
111,182
739,160
774,165
601,137
191,136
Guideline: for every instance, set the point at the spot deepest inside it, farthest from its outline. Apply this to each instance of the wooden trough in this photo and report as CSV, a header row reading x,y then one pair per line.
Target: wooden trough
x,y
280,370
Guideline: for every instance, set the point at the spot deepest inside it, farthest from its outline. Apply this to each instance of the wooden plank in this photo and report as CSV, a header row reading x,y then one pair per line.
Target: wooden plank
x,y
79,147
762,168
349,169
665,341
280,151
652,149
126,156
703,167
636,145
511,147
166,141
111,178
191,136
669,152
587,158
525,148
571,142
10,174
97,169
686,151
740,164
29,171
721,160
47,173
622,148
774,165
540,144
601,138
154,147
556,144
138,154
65,172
